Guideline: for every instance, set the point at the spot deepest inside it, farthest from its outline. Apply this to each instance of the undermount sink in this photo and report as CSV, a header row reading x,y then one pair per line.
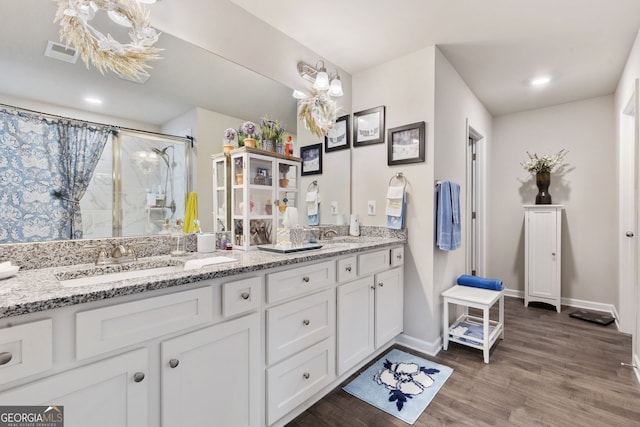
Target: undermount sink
x,y
115,272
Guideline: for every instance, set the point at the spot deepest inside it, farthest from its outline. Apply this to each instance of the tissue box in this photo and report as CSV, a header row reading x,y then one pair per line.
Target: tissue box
x,y
206,243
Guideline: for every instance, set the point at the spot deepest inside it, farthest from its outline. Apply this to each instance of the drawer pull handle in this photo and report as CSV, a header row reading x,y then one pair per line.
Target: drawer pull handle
x,y
5,357
245,295
305,279
306,375
348,269
306,322
174,363
138,377
381,284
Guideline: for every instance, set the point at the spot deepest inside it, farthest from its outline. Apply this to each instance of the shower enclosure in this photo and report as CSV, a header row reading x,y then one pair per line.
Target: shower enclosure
x,y
139,187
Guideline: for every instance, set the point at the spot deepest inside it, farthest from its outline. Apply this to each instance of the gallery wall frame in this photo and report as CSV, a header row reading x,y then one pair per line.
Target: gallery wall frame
x,y
311,159
406,144
339,136
368,126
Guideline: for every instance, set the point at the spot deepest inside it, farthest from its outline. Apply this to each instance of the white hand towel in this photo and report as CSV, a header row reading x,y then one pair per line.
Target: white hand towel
x,y
290,217
312,202
394,201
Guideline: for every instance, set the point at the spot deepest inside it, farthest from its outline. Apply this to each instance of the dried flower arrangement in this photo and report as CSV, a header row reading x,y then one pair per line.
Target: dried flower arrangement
x,y
318,112
545,163
104,52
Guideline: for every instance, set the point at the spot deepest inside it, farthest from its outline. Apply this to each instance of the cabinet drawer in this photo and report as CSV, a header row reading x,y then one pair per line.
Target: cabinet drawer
x,y
240,296
116,326
296,379
373,262
397,256
298,281
25,350
347,270
298,324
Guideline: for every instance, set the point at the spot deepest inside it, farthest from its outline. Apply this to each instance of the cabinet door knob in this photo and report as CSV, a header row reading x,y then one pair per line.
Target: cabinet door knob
x,y
305,279
306,322
5,357
629,234
373,287
138,377
306,375
553,254
399,256
174,363
348,268
381,284
245,295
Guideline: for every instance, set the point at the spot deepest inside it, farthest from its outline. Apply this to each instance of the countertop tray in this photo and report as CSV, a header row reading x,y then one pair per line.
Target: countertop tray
x,y
272,248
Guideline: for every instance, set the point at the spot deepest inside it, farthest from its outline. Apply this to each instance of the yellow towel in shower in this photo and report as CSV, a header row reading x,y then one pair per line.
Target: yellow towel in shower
x,y
190,213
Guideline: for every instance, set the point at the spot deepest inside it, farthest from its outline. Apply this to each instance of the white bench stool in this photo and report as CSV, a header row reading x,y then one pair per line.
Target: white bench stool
x,y
479,298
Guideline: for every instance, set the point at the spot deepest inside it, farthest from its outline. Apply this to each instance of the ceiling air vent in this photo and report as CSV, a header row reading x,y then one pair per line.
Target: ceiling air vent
x,y
61,52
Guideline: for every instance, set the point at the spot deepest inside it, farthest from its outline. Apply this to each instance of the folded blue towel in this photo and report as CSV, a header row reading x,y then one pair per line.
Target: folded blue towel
x,y
480,282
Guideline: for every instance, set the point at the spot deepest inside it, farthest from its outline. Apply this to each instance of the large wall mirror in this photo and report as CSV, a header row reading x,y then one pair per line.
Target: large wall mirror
x,y
190,91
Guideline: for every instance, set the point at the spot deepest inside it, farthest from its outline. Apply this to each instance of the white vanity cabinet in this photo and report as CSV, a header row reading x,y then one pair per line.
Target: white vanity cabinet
x,y
300,335
212,376
111,392
543,261
370,308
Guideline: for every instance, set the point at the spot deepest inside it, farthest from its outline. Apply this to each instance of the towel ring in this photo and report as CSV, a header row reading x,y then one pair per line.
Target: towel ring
x,y
313,185
399,177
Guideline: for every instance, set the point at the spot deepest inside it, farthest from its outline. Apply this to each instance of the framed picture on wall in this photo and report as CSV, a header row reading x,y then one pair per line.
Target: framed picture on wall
x,y
311,159
406,144
368,126
338,138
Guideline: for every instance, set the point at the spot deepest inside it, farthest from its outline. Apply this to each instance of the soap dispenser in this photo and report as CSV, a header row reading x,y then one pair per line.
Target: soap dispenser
x,y
354,227
178,240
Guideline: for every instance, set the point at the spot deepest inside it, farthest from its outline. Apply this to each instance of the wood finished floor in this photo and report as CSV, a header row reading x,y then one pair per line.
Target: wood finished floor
x,y
550,370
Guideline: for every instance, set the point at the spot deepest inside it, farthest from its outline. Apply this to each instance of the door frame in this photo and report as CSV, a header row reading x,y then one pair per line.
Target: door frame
x,y
476,185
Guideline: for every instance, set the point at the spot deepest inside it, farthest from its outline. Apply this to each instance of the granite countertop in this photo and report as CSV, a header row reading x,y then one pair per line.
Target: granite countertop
x,y
31,291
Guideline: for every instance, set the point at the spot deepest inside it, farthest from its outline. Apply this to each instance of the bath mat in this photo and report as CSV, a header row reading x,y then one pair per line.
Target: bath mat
x,y
590,316
400,384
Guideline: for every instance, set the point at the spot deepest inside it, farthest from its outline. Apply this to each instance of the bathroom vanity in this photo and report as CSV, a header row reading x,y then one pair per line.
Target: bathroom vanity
x,y
248,342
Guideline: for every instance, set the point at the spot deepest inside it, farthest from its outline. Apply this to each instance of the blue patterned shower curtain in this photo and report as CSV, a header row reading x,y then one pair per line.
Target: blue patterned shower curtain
x,y
45,168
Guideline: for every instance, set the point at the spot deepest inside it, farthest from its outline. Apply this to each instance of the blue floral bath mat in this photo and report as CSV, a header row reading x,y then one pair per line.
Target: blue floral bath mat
x,y
400,384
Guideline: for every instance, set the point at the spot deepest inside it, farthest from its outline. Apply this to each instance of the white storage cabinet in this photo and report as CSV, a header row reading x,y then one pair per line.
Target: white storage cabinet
x,y
543,241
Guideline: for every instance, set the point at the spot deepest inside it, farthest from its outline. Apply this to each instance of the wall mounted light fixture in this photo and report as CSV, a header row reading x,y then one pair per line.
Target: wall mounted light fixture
x,y
321,79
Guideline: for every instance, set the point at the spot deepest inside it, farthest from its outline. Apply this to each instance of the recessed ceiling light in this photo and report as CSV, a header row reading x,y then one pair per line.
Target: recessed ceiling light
x,y
540,81
92,100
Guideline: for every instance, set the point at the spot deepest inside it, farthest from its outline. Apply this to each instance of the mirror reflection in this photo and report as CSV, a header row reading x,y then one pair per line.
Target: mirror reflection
x,y
190,92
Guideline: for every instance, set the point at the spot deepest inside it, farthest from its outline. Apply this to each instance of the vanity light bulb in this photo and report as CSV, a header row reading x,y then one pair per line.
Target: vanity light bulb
x,y
322,81
335,89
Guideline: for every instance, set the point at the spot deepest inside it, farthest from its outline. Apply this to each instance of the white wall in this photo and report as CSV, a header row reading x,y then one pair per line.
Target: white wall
x,y
455,104
587,190
405,86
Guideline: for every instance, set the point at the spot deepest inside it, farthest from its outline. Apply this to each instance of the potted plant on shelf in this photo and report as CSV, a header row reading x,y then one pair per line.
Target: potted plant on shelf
x,y
238,170
542,166
247,134
230,134
272,133
284,170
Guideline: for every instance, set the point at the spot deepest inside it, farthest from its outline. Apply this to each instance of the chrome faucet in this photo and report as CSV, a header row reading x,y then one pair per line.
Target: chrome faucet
x,y
328,234
120,254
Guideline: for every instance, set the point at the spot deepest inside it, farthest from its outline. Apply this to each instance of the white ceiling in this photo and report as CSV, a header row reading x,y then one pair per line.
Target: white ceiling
x,y
497,46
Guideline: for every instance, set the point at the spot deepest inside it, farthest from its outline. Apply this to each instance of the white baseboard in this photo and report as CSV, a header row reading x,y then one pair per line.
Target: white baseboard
x,y
572,302
429,348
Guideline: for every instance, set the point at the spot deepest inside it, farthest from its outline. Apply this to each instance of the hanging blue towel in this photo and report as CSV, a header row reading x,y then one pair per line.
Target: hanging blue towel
x,y
480,282
448,235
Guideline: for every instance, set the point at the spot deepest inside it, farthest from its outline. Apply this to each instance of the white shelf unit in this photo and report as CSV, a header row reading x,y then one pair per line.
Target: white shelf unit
x,y
262,185
221,171
543,260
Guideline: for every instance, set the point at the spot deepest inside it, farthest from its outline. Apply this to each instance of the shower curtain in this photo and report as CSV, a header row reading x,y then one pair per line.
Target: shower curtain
x,y
45,167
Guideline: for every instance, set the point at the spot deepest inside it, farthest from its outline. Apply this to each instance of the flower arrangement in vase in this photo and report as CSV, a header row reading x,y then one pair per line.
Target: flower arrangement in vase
x,y
542,166
247,134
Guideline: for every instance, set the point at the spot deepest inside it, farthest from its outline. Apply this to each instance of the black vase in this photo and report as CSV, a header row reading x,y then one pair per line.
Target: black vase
x,y
543,180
